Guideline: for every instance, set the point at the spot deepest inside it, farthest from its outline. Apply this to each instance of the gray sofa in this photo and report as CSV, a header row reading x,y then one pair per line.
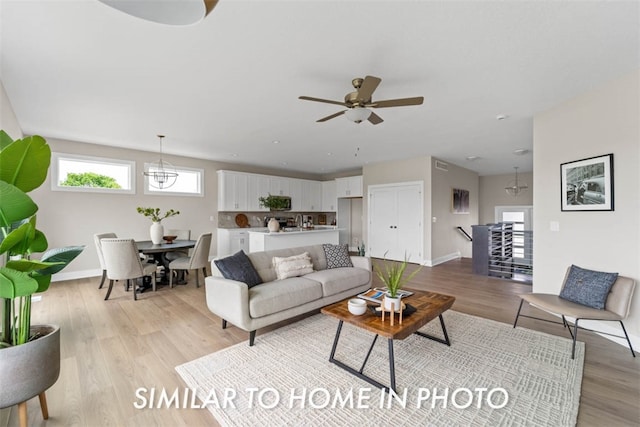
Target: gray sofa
x,y
276,300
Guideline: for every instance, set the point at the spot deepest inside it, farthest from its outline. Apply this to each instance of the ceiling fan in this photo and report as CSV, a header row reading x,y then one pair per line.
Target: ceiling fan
x,y
359,102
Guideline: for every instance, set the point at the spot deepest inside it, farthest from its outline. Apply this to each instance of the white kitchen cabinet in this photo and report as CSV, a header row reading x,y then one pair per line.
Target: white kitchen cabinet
x,y
232,191
349,187
311,196
279,186
231,240
258,186
329,198
295,192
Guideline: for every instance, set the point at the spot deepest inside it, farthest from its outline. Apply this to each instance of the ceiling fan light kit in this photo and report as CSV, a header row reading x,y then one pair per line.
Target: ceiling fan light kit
x,y
170,12
359,102
357,114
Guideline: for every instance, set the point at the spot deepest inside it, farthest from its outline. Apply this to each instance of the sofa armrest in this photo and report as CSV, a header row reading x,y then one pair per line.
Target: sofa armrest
x,y
361,262
228,299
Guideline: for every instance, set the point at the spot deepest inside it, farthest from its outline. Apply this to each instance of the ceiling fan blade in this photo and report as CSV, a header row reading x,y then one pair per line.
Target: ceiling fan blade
x,y
327,101
418,100
369,84
324,119
375,119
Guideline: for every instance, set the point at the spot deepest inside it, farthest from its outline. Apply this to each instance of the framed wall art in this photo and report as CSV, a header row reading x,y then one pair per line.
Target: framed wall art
x,y
587,184
460,201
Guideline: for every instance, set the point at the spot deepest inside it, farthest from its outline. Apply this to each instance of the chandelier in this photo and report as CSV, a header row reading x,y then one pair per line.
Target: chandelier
x,y
161,174
515,188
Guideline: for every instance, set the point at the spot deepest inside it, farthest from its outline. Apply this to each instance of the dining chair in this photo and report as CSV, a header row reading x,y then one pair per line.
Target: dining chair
x,y
96,239
198,259
123,263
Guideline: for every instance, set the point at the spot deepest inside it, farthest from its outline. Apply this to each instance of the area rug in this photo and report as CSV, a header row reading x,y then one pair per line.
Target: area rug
x,y
492,375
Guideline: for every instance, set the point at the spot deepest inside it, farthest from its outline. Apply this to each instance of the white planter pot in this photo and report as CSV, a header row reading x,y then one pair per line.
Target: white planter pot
x,y
157,233
392,303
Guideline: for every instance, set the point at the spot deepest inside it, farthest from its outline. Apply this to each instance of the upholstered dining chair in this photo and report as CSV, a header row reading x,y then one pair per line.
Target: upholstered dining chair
x,y
123,263
198,260
96,239
616,308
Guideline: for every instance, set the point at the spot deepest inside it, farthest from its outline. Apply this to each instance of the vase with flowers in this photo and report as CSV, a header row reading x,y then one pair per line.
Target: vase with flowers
x,y
157,230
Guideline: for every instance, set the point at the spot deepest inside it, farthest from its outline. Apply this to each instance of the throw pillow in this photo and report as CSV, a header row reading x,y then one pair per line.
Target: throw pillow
x,y
293,266
238,267
588,287
337,255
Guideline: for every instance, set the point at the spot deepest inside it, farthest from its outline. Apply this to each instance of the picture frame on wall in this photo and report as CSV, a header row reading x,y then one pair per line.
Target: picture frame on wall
x,y
460,201
587,184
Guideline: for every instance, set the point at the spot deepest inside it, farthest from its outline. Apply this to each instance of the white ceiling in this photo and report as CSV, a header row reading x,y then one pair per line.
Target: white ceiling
x,y
225,88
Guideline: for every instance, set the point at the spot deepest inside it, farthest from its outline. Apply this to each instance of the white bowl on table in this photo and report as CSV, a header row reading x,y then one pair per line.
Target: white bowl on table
x,y
357,306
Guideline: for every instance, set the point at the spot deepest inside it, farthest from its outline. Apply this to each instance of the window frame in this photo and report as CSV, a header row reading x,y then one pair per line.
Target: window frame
x,y
56,157
150,191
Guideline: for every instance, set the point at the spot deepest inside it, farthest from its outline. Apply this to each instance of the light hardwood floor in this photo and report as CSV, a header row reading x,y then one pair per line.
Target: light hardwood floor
x,y
111,348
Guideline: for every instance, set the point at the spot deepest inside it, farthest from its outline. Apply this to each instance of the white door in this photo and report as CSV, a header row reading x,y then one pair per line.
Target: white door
x,y
395,221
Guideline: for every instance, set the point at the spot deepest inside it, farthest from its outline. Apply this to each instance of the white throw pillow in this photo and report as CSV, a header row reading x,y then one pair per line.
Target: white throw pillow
x,y
293,266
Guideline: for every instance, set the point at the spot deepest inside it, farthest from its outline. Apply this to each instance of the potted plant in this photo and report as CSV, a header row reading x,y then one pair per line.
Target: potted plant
x,y
273,203
392,275
29,354
156,230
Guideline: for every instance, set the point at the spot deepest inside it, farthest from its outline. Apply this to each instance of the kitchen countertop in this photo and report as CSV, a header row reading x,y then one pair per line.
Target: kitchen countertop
x,y
296,230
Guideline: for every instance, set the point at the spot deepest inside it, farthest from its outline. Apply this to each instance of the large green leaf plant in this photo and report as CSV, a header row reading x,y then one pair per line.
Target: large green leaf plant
x,y
24,164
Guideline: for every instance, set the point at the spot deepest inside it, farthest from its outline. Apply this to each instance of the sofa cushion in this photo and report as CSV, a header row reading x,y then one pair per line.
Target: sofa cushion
x,y
293,266
238,267
588,287
262,261
280,295
336,280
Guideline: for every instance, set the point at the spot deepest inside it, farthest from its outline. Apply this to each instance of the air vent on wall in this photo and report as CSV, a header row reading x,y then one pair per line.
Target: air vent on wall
x,y
442,166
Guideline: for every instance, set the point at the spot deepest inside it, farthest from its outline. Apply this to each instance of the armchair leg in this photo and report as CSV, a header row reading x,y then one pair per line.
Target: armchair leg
x,y
252,338
197,279
566,325
22,414
575,337
627,337
224,324
109,290
518,315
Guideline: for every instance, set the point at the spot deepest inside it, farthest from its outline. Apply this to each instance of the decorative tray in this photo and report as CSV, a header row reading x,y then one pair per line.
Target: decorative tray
x,y
242,221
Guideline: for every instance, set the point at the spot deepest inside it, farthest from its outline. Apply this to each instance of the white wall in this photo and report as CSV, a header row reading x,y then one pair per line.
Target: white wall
x,y
492,194
8,121
446,241
604,120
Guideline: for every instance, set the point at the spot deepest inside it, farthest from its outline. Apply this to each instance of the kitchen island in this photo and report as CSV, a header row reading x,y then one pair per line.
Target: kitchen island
x,y
261,240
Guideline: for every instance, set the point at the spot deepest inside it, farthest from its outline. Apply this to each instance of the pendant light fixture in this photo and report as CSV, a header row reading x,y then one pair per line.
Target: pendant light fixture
x,y
515,187
162,174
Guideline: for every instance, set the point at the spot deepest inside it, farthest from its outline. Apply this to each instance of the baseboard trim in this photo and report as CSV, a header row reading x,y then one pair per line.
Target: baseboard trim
x,y
80,274
442,259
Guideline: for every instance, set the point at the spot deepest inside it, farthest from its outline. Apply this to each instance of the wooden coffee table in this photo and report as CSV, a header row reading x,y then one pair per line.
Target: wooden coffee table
x,y
429,305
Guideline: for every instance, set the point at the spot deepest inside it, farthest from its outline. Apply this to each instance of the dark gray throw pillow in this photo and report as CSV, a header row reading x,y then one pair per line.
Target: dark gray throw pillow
x,y
337,255
588,287
238,267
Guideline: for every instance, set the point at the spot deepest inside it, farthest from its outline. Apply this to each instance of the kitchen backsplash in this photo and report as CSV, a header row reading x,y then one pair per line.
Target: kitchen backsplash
x,y
256,219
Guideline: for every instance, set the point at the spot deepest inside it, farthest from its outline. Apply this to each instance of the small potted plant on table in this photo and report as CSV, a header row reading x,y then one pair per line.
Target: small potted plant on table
x,y
392,275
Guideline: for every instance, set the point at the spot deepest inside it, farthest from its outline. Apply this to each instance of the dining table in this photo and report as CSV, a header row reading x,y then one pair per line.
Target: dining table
x,y
159,251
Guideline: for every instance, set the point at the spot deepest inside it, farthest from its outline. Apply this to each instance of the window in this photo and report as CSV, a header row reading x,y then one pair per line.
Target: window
x,y
71,172
188,183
